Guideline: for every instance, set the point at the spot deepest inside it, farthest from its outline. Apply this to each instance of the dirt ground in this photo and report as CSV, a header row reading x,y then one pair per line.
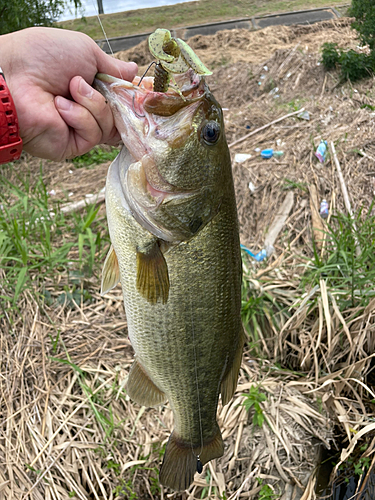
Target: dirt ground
x,y
258,77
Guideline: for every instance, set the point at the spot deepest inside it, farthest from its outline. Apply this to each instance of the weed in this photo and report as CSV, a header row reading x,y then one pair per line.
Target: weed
x,y
253,400
266,492
351,275
367,106
206,489
362,466
125,489
290,184
112,465
355,66
95,156
36,242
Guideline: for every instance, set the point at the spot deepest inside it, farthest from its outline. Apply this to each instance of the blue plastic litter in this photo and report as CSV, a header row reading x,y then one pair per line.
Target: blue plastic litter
x,y
248,251
269,153
261,255
258,257
266,153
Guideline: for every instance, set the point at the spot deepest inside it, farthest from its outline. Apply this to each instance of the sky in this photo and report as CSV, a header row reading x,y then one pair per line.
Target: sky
x,y
110,6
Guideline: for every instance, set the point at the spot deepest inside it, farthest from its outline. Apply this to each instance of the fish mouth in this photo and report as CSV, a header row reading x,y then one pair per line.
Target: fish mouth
x,y
151,124
149,121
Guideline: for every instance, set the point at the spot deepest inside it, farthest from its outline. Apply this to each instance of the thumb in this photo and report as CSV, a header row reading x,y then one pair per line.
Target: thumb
x,y
115,67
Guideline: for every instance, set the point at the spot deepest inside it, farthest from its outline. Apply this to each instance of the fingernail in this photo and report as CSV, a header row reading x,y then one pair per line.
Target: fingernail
x,y
85,89
63,103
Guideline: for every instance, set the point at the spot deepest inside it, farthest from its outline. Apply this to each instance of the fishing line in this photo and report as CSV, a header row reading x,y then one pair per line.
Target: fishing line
x,y
199,463
104,33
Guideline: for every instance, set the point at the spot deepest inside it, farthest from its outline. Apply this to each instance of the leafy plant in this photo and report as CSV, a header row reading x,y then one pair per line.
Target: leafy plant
x,y
364,13
362,466
353,65
95,156
344,270
125,490
266,492
253,400
330,55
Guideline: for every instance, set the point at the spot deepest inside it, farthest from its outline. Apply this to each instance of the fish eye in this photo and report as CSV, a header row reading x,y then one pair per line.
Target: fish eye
x,y
211,132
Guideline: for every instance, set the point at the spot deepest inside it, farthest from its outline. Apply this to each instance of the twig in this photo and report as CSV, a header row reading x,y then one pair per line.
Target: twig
x,y
365,155
78,205
279,220
265,126
247,479
346,196
323,87
287,59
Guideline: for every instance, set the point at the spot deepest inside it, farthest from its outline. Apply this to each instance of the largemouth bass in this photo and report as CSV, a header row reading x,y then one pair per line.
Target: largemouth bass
x,y
175,248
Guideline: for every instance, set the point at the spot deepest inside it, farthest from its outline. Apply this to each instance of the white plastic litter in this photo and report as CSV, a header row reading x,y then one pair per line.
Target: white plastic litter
x,y
241,157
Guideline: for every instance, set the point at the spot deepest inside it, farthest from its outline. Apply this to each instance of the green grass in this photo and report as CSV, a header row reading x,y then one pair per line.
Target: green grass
x,y
351,275
39,244
185,14
95,156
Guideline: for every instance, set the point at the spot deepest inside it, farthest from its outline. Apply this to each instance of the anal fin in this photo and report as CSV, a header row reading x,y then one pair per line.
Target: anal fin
x,y
152,275
142,389
110,273
229,382
181,461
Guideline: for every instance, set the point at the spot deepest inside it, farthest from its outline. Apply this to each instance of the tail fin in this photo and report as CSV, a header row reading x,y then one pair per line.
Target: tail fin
x,y
180,460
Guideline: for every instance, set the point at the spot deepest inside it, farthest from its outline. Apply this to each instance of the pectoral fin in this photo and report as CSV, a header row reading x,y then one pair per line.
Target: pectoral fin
x,y
110,273
142,389
152,275
229,382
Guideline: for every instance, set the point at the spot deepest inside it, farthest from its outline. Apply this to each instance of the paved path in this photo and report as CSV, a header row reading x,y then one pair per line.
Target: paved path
x,y
298,17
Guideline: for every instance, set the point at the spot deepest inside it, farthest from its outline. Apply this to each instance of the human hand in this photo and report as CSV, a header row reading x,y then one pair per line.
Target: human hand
x,y
49,72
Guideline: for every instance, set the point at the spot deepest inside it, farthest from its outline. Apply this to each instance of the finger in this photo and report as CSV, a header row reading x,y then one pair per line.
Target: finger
x,y
85,131
96,104
115,67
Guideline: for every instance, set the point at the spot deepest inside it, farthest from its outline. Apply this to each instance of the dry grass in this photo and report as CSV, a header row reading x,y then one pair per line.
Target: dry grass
x,y
67,428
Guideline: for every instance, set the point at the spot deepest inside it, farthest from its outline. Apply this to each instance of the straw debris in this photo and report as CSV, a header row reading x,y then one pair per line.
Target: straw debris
x,y
67,427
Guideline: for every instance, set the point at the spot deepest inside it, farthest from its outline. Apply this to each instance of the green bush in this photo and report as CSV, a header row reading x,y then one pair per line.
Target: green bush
x,y
353,65
330,56
364,13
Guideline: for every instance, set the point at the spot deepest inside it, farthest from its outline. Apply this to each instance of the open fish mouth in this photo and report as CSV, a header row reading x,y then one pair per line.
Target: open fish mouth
x,y
144,98
152,124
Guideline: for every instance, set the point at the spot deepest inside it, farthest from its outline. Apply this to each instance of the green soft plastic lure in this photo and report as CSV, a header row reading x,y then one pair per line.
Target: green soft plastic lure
x,y
174,57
